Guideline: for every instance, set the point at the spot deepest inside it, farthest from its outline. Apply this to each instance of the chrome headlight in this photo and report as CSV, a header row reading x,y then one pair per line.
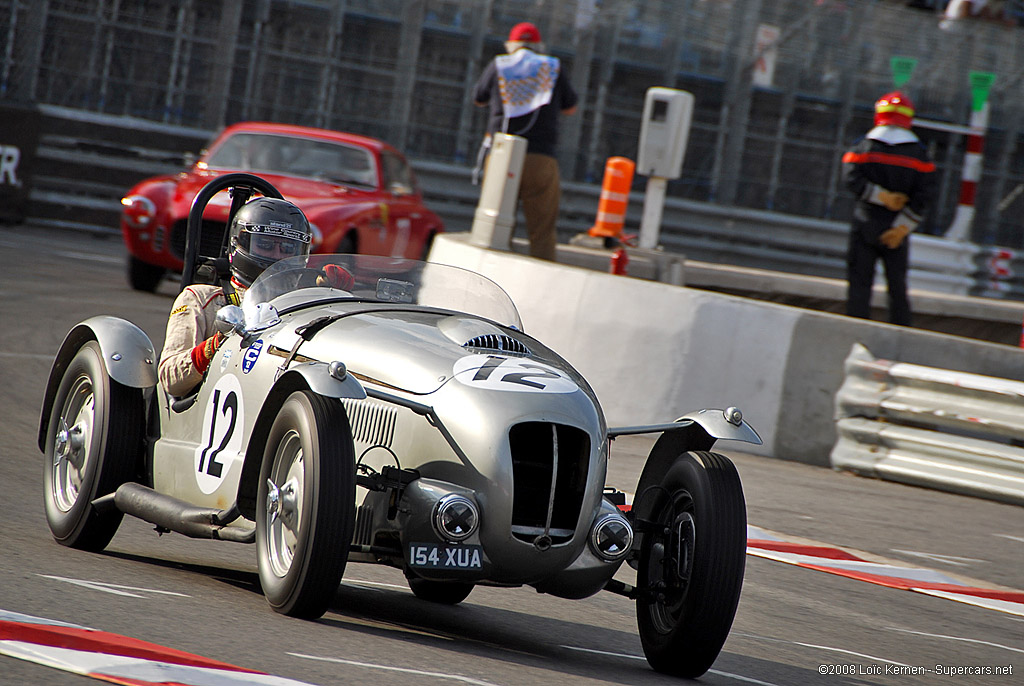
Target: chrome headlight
x,y
137,211
456,517
611,537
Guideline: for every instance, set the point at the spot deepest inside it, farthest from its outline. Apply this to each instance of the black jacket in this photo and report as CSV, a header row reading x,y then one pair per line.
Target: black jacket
x,y
873,164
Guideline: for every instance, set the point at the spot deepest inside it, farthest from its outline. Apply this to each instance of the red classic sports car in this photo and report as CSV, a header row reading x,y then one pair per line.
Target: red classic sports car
x,y
359,194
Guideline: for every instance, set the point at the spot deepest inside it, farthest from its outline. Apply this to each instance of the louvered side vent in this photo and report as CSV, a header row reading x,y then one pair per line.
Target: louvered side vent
x,y
373,423
499,342
362,533
549,472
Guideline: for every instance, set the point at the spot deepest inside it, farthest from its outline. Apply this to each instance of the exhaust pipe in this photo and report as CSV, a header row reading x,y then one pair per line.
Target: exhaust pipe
x,y
176,515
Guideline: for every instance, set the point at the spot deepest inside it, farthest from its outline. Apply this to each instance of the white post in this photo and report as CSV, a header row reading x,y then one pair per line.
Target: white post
x,y
664,132
496,212
654,203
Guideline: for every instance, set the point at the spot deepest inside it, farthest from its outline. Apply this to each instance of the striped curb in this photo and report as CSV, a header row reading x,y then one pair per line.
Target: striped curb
x,y
118,659
763,543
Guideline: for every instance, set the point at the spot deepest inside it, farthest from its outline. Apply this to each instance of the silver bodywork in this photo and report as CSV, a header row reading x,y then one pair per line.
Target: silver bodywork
x,y
435,376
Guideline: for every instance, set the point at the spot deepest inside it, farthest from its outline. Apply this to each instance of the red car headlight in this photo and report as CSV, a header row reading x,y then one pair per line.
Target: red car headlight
x,y
138,211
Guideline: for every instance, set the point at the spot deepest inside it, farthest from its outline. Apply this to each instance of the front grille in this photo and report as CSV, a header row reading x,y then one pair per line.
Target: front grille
x,y
549,471
211,238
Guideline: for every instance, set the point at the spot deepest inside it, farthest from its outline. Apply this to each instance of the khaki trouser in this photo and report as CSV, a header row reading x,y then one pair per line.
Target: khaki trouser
x,y
540,193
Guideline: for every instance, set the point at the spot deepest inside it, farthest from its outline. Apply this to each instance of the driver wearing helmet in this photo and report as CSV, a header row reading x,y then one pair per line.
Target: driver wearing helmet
x,y
263,231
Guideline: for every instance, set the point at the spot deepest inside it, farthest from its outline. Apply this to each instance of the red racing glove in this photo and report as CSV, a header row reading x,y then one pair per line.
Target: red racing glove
x,y
203,353
336,277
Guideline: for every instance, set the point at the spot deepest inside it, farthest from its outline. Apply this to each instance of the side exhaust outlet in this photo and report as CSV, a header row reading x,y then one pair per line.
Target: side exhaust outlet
x,y
611,537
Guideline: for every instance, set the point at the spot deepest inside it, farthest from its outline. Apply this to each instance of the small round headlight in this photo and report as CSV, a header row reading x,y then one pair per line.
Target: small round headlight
x,y
456,517
138,211
611,537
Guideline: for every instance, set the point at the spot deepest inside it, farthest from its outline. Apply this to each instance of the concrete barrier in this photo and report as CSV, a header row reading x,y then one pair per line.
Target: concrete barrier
x,y
653,351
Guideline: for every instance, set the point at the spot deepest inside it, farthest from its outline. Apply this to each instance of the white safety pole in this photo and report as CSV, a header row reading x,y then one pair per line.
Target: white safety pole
x,y
654,203
495,214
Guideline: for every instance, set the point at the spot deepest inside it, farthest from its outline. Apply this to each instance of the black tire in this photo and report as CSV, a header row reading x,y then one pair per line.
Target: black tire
x,y
427,245
94,443
303,550
684,623
143,276
443,592
347,245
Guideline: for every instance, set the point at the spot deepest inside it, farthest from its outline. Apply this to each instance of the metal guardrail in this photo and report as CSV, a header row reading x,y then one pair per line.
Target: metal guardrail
x,y
78,193
942,429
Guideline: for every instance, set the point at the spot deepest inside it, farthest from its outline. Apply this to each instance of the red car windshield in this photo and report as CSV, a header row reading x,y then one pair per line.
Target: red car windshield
x,y
294,156
301,282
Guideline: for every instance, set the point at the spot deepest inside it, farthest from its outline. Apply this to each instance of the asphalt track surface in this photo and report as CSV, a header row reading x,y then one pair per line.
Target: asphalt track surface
x,y
794,625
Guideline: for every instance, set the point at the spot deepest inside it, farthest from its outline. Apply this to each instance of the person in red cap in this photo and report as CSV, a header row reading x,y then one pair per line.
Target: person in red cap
x,y
526,91
893,177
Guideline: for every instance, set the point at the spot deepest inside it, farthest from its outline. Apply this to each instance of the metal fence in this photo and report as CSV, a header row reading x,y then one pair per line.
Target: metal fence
x,y
770,124
931,427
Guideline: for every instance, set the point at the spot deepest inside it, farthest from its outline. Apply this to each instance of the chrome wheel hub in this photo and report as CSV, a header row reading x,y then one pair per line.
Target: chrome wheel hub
x,y
71,444
284,503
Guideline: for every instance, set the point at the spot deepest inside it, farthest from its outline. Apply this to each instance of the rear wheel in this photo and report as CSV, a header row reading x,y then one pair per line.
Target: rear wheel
x,y
444,592
306,505
691,562
143,276
94,440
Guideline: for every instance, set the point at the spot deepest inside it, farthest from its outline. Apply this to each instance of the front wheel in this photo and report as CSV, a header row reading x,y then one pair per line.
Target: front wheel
x,y
305,505
143,276
691,564
94,440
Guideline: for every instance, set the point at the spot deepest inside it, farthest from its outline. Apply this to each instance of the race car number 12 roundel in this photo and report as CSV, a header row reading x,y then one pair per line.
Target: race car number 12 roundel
x,y
498,373
223,418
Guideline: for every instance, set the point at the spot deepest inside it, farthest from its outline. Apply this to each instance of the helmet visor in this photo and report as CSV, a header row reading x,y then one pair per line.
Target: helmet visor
x,y
274,241
275,247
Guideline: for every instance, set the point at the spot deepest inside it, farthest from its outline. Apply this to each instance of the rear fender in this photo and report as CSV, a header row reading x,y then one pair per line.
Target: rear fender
x,y
128,356
314,377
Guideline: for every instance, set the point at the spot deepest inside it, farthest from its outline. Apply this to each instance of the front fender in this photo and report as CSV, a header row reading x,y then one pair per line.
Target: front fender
x,y
722,425
128,355
318,379
698,430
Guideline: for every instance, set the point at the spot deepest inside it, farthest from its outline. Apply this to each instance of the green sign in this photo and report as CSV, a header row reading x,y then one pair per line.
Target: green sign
x,y
902,68
981,84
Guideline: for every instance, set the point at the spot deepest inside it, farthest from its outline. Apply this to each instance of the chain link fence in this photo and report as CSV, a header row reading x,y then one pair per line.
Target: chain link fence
x,y
772,118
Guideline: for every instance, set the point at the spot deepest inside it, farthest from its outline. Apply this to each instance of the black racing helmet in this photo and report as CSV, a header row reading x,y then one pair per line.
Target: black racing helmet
x,y
263,231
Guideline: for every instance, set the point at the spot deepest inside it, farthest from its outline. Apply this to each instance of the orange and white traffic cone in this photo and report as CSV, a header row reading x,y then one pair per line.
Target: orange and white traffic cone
x,y
611,208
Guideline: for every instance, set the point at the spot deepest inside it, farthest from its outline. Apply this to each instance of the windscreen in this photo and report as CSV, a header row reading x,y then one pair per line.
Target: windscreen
x,y
299,281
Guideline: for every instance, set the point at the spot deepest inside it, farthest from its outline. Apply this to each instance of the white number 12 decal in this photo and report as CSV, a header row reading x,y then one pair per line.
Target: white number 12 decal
x,y
499,373
223,419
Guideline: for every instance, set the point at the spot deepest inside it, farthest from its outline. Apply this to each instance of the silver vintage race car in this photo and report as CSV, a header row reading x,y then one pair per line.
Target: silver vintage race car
x,y
410,422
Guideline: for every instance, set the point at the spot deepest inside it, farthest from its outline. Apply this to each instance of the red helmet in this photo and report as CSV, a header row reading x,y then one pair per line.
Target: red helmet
x,y
894,109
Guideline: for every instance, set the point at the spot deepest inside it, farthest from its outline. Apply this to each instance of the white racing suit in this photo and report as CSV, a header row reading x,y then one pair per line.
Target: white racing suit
x,y
190,323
